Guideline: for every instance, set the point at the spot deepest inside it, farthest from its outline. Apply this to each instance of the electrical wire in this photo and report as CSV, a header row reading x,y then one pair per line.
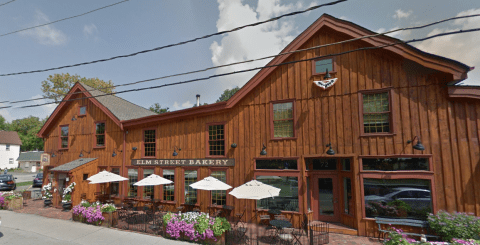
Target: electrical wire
x,y
71,17
256,68
258,59
7,3
176,44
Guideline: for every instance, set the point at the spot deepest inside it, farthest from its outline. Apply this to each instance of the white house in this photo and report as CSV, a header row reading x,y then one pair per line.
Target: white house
x,y
9,149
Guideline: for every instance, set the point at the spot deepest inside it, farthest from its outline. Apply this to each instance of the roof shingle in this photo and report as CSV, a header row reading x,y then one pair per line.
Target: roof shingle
x,y
73,164
10,137
30,156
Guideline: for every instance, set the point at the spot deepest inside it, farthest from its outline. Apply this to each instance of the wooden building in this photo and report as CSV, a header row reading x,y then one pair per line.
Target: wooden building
x,y
373,120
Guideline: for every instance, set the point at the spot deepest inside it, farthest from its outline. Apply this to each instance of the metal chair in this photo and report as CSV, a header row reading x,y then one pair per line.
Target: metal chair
x,y
239,216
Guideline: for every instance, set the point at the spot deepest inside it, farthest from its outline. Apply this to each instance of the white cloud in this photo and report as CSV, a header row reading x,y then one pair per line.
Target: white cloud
x,y
462,47
186,104
89,30
252,42
5,113
46,35
400,14
397,34
41,112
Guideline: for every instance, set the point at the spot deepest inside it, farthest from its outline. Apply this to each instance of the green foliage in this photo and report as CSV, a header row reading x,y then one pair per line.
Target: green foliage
x,y
220,226
4,125
400,205
27,129
227,94
166,218
108,208
85,204
456,225
157,108
202,224
56,86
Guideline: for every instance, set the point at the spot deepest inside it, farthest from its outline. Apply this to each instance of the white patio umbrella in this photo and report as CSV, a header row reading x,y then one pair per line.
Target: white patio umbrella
x,y
210,184
153,179
255,190
105,177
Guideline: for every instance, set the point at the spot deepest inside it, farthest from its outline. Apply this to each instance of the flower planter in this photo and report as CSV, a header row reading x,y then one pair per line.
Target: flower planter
x,y
67,205
14,204
47,202
111,219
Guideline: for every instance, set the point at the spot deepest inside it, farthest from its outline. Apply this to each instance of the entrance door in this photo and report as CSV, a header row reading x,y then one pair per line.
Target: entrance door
x,y
327,198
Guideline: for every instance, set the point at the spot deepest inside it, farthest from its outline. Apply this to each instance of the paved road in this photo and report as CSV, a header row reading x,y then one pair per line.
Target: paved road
x,y
17,228
24,177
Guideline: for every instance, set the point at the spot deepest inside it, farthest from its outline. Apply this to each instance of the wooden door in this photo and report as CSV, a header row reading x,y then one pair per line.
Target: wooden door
x,y
327,205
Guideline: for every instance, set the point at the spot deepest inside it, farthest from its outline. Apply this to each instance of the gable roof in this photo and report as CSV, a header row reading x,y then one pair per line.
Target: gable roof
x,y
9,137
114,107
457,69
30,156
69,166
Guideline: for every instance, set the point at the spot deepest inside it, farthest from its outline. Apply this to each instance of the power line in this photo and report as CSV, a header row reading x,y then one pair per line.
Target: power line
x,y
257,68
71,17
175,44
7,3
258,59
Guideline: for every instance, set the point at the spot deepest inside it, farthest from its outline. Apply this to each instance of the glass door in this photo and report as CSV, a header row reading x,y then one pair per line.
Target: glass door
x,y
327,198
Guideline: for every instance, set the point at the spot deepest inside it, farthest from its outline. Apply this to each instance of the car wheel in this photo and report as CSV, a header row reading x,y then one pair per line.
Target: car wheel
x,y
14,187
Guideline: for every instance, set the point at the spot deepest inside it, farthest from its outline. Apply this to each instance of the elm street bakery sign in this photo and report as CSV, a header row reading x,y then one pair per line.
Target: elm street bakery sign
x,y
223,162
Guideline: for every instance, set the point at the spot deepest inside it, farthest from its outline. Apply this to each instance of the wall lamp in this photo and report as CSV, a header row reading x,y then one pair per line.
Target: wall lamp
x,y
417,146
175,153
330,151
234,145
263,152
327,75
74,118
114,154
52,152
81,154
134,148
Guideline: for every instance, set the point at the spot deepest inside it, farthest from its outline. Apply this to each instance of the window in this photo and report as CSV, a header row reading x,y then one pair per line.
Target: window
x,y
190,193
169,190
82,110
85,176
216,140
7,147
219,197
395,164
321,163
132,178
149,143
100,134
376,112
397,198
288,198
321,65
276,164
64,137
148,190
283,119
309,196
347,196
115,186
10,161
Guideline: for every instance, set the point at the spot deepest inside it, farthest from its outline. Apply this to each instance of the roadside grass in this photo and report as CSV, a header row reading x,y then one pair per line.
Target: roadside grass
x,y
24,183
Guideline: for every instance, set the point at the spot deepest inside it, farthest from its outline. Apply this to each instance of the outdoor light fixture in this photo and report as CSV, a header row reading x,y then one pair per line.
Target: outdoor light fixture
x,y
74,118
53,155
327,75
81,154
175,153
115,154
134,148
417,146
234,145
263,152
330,151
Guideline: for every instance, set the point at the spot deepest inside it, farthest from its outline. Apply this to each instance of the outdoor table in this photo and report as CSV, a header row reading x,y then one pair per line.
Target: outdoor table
x,y
274,212
279,225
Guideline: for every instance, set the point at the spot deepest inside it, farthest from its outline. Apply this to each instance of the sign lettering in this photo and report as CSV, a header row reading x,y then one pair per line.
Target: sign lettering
x,y
226,162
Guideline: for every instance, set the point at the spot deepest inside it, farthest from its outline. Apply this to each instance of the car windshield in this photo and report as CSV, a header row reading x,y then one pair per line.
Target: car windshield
x,y
40,175
5,177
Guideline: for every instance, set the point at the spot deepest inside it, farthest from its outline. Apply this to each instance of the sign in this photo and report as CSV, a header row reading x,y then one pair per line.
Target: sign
x,y
207,162
325,83
45,159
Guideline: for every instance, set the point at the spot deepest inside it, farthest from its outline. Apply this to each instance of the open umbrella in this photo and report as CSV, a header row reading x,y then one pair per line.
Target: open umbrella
x,y
153,179
255,190
210,184
105,177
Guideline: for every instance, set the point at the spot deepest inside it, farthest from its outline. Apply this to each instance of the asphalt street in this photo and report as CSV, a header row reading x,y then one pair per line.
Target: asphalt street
x,y
17,228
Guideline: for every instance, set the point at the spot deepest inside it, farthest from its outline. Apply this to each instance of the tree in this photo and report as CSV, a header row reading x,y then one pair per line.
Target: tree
x,y
27,129
58,85
3,124
157,108
227,94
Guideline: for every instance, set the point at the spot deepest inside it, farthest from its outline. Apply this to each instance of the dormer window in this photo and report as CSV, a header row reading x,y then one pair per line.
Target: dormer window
x,y
319,66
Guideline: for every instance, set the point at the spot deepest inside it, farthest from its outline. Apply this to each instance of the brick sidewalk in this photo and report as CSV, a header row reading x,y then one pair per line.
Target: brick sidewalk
x,y
36,207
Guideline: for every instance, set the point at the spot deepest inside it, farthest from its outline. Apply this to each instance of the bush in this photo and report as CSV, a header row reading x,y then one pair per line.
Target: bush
x,y
457,225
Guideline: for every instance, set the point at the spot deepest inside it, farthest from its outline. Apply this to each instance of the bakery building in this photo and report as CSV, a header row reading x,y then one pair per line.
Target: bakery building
x,y
389,134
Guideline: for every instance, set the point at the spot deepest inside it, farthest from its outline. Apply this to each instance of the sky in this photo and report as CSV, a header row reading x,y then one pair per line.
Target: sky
x,y
138,25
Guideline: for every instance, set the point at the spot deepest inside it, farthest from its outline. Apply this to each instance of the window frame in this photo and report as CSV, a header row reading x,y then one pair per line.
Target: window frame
x,y
272,129
405,174
183,182
95,135
143,142
391,111
110,169
128,186
141,189
210,170
60,137
7,147
79,110
334,66
175,185
207,141
284,174
275,170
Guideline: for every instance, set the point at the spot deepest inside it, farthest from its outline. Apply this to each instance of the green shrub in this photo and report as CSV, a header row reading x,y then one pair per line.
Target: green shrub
x,y
457,225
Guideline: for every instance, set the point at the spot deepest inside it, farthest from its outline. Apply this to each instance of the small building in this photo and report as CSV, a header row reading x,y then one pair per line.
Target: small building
x,y
9,149
30,161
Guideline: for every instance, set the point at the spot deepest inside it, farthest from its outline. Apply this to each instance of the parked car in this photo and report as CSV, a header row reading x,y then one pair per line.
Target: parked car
x,y
38,181
7,182
416,198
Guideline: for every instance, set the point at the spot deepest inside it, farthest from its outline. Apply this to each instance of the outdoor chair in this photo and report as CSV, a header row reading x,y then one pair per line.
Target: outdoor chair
x,y
197,209
264,219
286,236
239,216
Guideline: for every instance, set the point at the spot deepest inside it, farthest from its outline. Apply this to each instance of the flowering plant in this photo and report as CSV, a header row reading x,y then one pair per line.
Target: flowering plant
x,y
47,191
2,202
92,214
457,225
196,226
67,196
396,236
108,208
